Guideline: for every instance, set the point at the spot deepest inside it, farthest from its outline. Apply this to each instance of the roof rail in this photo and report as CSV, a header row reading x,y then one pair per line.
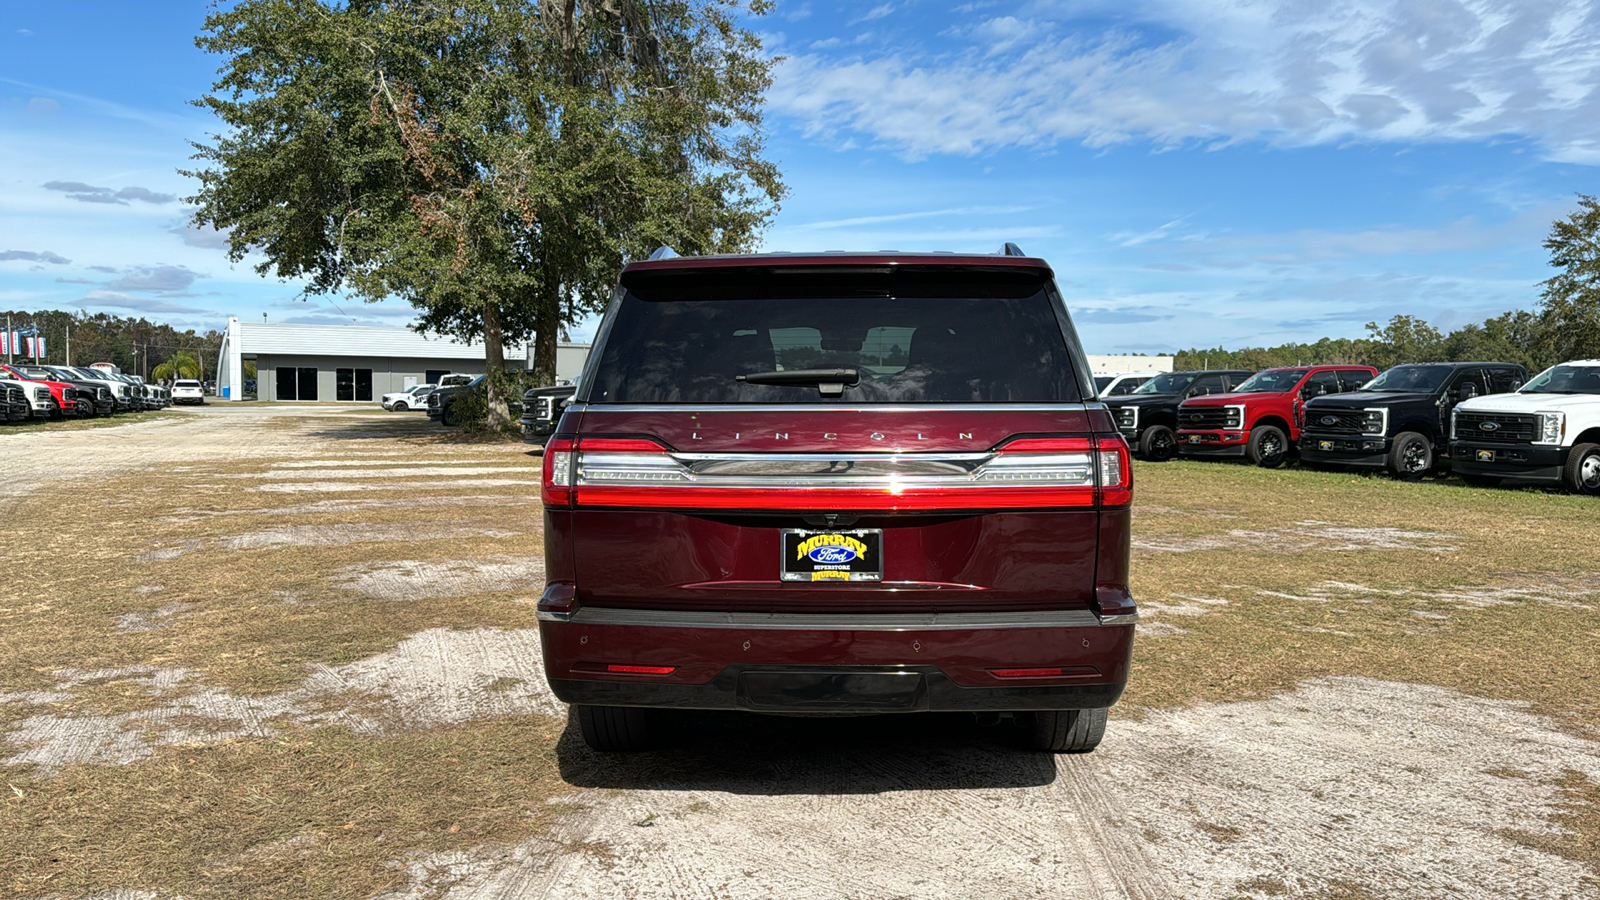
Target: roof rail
x,y
1011,249
663,252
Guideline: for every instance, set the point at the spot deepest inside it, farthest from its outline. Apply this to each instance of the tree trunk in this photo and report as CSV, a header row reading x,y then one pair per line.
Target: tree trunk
x,y
494,354
547,326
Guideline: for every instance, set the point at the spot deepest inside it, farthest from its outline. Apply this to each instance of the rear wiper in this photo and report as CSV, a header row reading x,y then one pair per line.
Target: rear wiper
x,y
829,382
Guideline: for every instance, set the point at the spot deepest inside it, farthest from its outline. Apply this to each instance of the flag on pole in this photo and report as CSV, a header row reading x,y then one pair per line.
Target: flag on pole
x,y
42,353
33,351
5,342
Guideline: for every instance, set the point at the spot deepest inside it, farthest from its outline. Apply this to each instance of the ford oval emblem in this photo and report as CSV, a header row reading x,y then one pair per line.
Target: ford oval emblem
x,y
1489,426
1196,417
1329,420
832,554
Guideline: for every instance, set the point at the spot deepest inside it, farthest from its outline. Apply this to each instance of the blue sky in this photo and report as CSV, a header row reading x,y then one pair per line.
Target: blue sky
x,y
1229,172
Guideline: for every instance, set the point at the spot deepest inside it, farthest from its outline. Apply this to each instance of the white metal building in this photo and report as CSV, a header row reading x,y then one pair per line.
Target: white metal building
x,y
1118,365
355,363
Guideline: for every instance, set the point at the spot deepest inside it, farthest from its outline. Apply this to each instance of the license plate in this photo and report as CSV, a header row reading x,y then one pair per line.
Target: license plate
x,y
824,556
1324,445
1194,438
1485,456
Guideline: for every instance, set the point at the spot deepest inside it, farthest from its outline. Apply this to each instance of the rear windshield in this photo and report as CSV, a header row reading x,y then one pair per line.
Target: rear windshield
x,y
950,337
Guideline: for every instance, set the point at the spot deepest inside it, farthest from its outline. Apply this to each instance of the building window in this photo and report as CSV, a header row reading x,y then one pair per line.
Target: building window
x,y
353,384
297,383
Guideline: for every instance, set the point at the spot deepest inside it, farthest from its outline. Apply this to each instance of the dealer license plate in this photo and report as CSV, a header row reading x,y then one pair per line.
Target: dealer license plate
x,y
1324,445
1194,438
1485,456
855,555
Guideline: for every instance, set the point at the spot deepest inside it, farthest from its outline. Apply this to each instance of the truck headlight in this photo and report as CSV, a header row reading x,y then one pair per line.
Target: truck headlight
x,y
1128,418
1552,428
1233,419
1376,422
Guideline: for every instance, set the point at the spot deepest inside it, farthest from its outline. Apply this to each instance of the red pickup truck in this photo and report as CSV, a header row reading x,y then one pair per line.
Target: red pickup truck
x,y
1261,419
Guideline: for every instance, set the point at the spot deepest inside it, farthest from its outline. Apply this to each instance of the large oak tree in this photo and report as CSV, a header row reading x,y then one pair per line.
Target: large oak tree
x,y
494,162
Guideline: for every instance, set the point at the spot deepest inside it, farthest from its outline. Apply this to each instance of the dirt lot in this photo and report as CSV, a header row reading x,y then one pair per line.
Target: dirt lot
x,y
290,651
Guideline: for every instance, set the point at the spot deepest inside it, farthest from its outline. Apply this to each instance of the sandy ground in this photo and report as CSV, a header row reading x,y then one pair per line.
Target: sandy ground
x,y
1405,791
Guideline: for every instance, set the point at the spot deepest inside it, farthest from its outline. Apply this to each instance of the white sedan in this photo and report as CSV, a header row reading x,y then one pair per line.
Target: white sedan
x,y
188,391
410,398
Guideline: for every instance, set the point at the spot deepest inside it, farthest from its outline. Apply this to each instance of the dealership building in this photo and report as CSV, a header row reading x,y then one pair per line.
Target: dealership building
x,y
356,363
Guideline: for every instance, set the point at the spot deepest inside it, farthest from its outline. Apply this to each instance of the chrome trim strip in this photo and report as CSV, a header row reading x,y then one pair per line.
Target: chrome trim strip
x,y
908,621
884,456
824,407
1124,619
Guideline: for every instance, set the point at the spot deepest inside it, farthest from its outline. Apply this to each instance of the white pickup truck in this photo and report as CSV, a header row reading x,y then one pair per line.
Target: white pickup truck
x,y
1549,431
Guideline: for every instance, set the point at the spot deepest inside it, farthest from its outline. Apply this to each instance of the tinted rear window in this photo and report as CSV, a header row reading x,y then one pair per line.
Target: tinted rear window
x,y
952,337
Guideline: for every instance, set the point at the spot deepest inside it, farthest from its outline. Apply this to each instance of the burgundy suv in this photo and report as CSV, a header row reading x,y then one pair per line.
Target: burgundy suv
x,y
837,484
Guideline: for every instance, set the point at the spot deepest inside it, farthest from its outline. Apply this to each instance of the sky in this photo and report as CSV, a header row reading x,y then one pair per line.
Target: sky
x,y
1221,173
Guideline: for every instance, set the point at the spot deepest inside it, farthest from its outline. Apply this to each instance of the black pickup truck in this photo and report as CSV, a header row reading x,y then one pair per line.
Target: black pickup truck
x,y
1148,417
1401,419
541,410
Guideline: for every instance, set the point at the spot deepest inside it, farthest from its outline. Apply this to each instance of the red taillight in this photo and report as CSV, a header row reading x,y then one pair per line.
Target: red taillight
x,y
557,489
640,670
1114,466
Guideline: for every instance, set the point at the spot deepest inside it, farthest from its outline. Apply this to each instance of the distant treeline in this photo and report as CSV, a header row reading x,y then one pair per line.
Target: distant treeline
x,y
137,346
1519,336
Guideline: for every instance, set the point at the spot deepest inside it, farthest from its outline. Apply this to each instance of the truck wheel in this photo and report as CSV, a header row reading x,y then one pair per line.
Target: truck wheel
x,y
615,729
1066,730
1269,446
402,406
449,417
1410,456
1480,480
1583,469
1158,443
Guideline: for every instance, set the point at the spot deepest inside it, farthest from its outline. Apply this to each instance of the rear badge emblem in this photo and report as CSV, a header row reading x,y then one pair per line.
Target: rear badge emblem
x,y
1490,426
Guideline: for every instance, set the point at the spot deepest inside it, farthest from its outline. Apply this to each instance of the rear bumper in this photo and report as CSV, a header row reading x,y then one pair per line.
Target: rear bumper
x,y
1213,443
1522,462
838,664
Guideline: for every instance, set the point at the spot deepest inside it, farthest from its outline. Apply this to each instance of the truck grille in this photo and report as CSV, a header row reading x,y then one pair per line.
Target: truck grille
x,y
1205,417
1507,428
1344,421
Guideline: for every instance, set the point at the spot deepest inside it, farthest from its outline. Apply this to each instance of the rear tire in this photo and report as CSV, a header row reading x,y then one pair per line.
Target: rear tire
x,y
1411,456
1066,730
1269,446
1582,475
615,729
1480,480
1158,443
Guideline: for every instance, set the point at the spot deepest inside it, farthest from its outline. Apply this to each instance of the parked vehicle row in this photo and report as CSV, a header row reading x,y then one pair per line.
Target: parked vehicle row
x,y
41,391
1484,420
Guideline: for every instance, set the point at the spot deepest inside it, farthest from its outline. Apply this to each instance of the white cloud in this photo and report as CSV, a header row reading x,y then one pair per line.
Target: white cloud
x,y
155,280
1227,71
